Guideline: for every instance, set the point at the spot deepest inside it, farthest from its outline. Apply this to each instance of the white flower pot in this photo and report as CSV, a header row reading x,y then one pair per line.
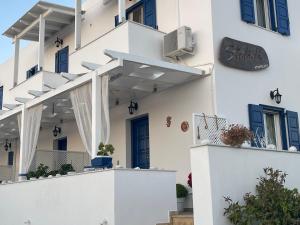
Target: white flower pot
x,y
180,204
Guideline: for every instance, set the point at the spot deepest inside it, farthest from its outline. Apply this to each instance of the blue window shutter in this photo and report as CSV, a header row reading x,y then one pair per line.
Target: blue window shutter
x,y
283,21
256,120
1,97
293,129
62,60
116,20
247,11
150,13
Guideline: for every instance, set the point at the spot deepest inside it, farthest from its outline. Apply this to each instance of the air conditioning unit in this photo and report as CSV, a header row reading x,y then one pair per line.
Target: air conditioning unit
x,y
179,42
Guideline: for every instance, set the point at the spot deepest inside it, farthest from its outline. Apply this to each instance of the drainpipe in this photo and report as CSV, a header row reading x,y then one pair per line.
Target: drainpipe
x,y
77,24
122,11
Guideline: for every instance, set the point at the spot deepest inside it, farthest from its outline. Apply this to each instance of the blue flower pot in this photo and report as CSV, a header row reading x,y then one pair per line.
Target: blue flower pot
x,y
102,162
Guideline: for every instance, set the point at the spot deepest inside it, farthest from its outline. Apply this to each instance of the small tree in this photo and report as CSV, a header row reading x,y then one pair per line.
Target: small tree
x,y
273,204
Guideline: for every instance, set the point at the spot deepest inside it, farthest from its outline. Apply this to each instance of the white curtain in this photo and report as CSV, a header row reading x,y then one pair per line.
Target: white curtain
x,y
32,124
105,109
81,99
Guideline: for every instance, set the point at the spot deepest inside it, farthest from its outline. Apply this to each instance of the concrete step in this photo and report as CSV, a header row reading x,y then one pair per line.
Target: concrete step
x,y
180,219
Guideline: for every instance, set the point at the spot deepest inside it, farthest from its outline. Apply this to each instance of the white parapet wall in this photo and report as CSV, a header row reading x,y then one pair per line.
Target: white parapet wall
x,y
120,197
220,171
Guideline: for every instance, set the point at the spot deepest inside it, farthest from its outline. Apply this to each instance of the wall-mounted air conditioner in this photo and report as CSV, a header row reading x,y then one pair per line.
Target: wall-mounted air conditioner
x,y
179,42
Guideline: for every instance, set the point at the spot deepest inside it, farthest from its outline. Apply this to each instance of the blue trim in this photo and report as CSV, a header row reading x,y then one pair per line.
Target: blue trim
x,y
281,112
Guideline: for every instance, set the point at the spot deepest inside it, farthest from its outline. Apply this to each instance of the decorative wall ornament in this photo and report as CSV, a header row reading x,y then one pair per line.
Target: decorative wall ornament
x,y
169,121
243,56
185,126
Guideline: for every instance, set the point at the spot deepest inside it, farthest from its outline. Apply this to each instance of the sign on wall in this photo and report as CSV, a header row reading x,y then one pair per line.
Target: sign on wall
x,y
243,56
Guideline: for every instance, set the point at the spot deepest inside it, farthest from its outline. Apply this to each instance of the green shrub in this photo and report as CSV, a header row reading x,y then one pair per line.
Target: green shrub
x,y
105,150
64,169
273,204
181,191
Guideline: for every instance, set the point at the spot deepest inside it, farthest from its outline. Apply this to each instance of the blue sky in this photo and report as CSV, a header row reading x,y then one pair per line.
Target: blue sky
x,y
10,12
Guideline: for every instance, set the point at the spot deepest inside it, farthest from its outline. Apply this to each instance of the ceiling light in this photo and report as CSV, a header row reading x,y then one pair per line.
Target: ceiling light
x,y
144,66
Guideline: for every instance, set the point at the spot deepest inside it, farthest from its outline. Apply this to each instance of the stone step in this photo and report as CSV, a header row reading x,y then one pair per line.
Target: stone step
x,y
182,219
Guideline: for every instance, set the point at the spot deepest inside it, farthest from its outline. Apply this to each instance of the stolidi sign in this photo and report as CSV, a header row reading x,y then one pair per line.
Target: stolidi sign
x,y
243,56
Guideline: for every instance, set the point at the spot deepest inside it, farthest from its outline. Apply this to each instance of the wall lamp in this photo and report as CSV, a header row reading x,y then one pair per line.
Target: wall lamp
x,y
275,95
7,145
59,42
133,107
56,131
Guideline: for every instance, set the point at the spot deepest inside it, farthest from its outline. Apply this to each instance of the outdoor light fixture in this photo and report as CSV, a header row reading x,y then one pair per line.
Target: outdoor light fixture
x,y
56,131
59,42
275,95
7,145
133,107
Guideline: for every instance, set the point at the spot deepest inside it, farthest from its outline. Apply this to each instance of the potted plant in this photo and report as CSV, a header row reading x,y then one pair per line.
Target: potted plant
x,y
181,193
103,159
236,135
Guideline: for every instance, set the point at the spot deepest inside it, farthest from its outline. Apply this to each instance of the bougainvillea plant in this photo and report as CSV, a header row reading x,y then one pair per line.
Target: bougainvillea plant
x,y
189,182
236,135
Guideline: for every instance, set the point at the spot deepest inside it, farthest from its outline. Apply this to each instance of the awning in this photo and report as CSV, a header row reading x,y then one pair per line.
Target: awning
x,y
27,27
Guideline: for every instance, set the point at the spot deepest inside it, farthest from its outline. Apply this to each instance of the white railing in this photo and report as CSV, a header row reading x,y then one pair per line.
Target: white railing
x,y
55,159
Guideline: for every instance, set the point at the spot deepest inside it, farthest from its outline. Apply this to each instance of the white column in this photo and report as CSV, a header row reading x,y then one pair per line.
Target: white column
x,y
77,24
22,138
122,11
96,113
41,43
16,61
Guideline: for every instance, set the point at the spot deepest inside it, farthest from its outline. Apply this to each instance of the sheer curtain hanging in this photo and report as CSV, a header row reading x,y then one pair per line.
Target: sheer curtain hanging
x,y
32,124
81,99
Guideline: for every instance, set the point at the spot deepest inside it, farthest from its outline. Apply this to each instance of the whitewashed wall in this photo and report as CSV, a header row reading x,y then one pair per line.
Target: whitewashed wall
x,y
235,89
169,146
111,195
220,171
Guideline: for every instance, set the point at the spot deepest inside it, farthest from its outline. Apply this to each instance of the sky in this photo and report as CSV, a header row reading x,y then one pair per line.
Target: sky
x,y
10,12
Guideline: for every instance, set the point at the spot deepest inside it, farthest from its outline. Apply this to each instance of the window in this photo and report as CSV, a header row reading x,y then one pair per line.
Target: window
x,y
265,14
137,14
144,12
32,71
60,144
10,158
1,97
272,129
270,14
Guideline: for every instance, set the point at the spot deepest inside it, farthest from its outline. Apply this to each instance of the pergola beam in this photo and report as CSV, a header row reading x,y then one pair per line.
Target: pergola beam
x,y
77,24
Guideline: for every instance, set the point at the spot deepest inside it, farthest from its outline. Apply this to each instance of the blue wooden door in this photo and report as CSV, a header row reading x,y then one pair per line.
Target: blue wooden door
x,y
62,144
140,143
62,60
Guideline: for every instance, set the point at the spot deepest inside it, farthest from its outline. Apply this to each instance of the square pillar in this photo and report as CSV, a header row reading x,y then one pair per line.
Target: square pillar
x,y
41,43
22,138
96,113
16,61
122,11
77,24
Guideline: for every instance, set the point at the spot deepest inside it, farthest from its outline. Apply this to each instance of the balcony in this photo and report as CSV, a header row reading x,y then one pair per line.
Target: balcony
x,y
128,37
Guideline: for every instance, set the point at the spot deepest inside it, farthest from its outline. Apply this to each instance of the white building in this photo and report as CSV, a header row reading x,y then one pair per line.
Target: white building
x,y
78,53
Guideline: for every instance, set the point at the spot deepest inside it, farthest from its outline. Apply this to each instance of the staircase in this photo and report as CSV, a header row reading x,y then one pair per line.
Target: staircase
x,y
180,219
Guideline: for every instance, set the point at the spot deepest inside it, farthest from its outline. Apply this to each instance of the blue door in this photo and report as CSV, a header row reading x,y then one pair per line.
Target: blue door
x,y
140,143
62,60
